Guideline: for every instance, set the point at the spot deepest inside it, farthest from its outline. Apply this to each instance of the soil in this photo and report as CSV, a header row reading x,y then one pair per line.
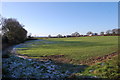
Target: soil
x,y
62,59
92,61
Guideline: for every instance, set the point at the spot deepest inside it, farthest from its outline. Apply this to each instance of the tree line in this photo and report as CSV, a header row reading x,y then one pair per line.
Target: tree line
x,y
113,32
13,32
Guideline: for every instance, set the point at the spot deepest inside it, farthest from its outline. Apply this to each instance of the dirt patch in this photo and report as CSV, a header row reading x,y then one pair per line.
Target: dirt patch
x,y
53,56
57,58
91,61
61,60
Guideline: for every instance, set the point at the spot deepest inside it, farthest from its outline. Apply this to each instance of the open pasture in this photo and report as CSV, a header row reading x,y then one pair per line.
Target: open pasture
x,y
74,48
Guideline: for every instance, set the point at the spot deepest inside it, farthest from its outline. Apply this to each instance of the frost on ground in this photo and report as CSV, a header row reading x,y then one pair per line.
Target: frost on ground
x,y
16,67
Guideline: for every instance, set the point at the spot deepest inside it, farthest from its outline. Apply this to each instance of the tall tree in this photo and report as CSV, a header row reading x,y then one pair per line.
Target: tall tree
x,y
13,30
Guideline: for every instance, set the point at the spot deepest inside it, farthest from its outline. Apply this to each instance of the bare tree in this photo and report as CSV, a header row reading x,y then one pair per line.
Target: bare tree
x,y
101,33
76,34
88,33
108,32
59,36
30,35
49,36
114,31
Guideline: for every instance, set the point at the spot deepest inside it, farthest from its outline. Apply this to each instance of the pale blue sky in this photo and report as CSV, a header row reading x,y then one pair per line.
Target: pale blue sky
x,y
44,18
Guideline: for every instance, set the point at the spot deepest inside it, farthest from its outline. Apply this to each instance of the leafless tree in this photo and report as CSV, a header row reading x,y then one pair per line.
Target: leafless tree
x,y
88,33
75,34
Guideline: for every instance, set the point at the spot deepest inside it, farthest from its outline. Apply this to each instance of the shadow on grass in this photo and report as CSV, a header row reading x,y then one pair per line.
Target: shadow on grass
x,y
82,43
70,69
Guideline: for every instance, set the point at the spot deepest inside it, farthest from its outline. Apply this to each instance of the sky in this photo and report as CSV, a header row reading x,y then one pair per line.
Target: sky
x,y
44,18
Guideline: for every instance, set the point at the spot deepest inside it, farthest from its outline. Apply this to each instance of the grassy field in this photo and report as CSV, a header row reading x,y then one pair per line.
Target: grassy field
x,y
108,69
75,48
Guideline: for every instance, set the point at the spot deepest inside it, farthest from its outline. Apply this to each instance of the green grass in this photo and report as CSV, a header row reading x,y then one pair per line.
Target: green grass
x,y
108,69
76,48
